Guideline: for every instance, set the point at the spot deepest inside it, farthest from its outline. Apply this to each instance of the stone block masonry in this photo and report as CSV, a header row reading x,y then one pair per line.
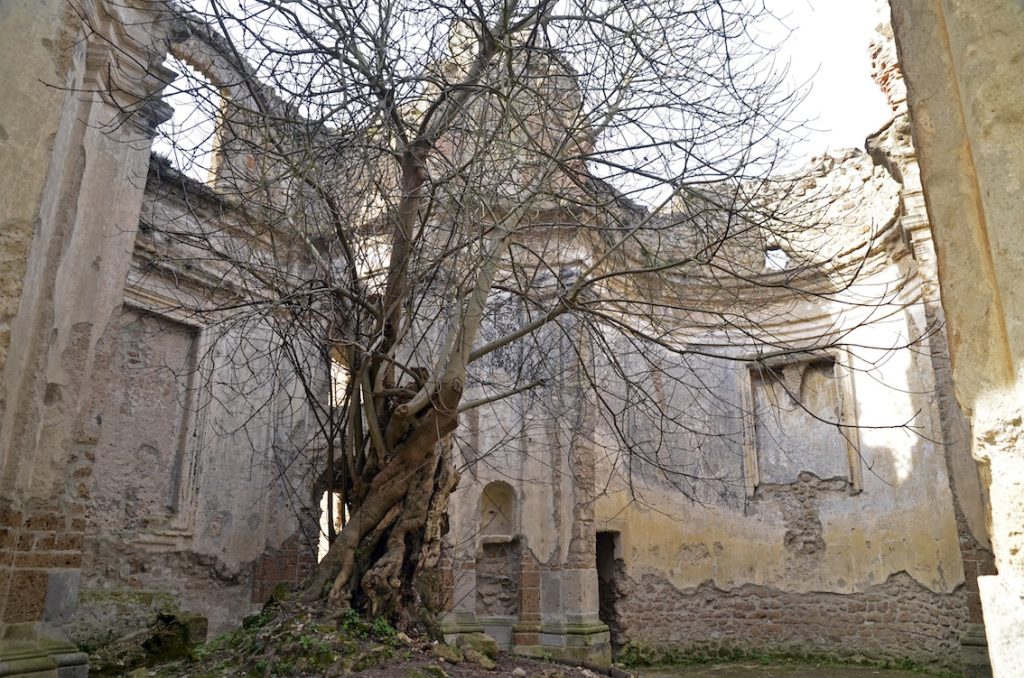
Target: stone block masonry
x,y
41,550
40,557
38,548
898,619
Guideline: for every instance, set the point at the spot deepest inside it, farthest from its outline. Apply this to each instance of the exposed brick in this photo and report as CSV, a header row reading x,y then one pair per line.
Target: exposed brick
x,y
26,597
48,560
69,542
289,564
5,579
9,517
45,521
529,600
44,541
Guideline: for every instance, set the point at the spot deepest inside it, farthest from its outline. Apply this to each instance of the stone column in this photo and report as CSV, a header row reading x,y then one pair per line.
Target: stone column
x,y
584,637
961,61
75,127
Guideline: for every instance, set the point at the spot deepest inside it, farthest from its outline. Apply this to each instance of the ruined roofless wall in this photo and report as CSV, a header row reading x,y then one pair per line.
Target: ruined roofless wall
x,y
29,604
962,66
201,498
105,488
802,539
77,109
858,538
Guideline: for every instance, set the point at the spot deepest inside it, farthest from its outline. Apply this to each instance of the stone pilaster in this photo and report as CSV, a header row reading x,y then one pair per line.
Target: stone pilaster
x,y
570,625
960,65
92,83
526,634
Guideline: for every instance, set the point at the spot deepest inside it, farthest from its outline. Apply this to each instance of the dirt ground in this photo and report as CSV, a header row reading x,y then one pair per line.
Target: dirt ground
x,y
299,640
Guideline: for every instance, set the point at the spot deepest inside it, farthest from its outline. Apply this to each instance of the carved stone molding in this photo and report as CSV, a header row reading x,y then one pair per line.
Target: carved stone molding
x,y
790,371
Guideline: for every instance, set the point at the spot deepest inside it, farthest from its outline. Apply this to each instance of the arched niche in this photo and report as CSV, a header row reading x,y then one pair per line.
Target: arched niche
x,y
498,563
498,510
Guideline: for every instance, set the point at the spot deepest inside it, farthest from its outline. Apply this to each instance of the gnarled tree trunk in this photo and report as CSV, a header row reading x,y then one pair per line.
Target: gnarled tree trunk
x,y
392,540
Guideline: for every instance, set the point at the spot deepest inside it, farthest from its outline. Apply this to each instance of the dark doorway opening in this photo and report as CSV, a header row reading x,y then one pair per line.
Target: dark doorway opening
x,y
609,578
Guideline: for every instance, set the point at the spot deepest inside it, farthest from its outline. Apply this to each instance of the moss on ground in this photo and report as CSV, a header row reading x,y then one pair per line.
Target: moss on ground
x,y
292,640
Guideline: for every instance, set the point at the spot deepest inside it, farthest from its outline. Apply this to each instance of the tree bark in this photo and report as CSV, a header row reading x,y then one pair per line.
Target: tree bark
x,y
394,537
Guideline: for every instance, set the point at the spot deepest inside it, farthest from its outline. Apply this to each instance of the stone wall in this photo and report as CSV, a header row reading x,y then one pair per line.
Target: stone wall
x,y
33,37
811,484
38,547
893,148
74,131
110,483
200,491
897,619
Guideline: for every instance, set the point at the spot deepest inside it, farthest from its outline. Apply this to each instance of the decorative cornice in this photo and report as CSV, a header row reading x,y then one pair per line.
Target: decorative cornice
x,y
125,50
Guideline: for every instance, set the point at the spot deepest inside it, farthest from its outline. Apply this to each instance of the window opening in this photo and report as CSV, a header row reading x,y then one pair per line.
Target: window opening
x,y
776,259
188,138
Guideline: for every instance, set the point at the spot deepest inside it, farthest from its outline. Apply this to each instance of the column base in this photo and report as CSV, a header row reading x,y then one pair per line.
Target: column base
x,y
457,623
501,629
575,641
525,634
30,650
974,650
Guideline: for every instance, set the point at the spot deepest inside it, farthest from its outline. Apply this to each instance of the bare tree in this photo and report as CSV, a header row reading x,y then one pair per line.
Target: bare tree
x,y
453,201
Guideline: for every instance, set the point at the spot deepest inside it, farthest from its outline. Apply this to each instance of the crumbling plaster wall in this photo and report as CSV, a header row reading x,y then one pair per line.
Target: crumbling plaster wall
x,y
873,531
740,569
82,503
509,443
893,148
201,485
539,443
35,35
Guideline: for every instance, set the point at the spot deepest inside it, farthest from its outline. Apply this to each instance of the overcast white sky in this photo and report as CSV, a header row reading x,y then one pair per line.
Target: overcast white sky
x,y
832,38
827,49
